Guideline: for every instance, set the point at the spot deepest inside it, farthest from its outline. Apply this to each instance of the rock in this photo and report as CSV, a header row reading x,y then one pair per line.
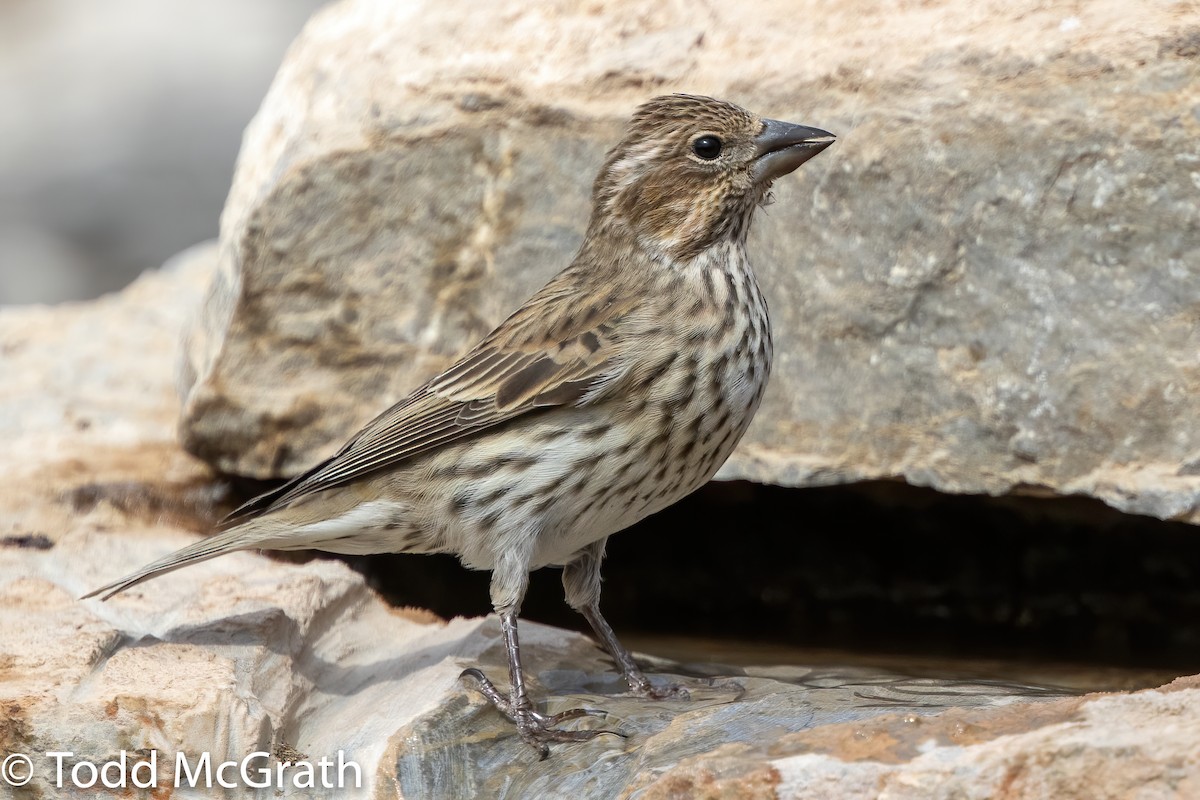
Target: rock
x,y
988,285
223,661
245,654
727,728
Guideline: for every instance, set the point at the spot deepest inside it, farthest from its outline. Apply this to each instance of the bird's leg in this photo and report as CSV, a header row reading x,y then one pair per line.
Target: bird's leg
x,y
639,684
581,582
537,729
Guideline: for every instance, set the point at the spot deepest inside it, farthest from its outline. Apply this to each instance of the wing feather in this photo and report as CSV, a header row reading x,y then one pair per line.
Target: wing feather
x,y
549,353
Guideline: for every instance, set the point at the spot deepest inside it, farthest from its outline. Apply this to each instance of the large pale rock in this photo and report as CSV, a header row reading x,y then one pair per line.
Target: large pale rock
x,y
989,284
245,654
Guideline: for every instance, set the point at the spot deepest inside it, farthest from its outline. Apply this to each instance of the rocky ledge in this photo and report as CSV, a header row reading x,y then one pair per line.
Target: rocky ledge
x,y
247,654
991,286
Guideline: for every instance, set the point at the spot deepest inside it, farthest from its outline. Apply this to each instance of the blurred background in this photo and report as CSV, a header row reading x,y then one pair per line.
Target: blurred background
x,y
121,124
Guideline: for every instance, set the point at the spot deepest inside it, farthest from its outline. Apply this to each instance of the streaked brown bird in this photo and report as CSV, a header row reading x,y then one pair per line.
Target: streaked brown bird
x,y
618,388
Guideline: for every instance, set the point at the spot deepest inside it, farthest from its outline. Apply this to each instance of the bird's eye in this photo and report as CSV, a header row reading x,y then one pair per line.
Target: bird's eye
x,y
707,147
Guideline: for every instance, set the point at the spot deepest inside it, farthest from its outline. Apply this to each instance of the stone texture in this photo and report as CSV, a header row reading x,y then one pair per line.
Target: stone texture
x,y
245,653
226,660
988,285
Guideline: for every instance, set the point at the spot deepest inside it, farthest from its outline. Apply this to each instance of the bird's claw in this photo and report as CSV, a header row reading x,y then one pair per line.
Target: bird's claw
x,y
536,729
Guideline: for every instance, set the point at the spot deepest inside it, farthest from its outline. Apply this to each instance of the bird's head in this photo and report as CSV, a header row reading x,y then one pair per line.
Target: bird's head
x,y
691,170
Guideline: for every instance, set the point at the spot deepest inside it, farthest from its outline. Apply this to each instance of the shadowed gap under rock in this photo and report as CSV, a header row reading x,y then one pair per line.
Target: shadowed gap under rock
x,y
887,570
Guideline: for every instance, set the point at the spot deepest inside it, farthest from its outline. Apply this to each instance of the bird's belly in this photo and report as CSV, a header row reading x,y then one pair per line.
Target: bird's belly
x,y
584,485
643,465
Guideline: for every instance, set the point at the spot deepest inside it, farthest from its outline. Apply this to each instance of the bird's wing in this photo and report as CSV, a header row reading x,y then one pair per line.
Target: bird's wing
x,y
561,347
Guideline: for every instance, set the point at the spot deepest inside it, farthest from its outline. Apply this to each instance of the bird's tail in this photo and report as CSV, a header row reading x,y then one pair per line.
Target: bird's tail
x,y
243,537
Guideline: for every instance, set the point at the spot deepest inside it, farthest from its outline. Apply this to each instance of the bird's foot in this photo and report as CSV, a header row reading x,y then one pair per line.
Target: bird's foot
x,y
639,684
539,730
536,729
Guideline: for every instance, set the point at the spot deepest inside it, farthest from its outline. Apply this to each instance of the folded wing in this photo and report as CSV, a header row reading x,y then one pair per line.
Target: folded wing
x,y
560,349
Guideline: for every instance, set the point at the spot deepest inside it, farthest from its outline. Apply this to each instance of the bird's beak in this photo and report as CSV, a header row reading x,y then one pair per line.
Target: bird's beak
x,y
783,146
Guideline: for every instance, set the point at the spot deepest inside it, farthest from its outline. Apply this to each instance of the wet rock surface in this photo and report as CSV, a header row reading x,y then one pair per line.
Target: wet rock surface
x,y
734,714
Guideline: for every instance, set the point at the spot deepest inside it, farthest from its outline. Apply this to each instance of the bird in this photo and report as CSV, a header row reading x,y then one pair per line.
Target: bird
x,y
617,389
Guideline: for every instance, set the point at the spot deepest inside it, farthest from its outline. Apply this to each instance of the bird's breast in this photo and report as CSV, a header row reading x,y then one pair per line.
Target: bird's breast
x,y
726,333
704,368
